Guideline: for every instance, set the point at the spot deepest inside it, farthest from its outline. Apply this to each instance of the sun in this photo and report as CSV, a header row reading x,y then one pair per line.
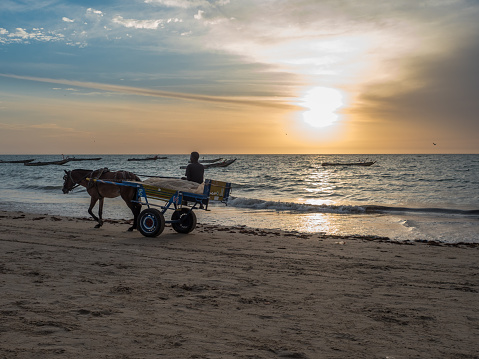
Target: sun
x,y
322,104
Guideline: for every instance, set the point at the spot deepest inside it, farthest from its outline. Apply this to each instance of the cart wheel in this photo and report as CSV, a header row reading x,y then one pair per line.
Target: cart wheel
x,y
187,220
151,222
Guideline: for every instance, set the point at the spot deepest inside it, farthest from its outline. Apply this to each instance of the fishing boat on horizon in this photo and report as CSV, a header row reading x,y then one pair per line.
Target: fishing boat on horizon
x,y
361,163
16,161
148,158
85,159
60,162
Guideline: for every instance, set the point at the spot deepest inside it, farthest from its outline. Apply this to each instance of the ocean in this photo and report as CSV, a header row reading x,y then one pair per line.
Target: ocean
x,y
401,197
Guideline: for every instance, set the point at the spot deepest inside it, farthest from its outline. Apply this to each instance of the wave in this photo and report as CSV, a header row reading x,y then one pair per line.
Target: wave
x,y
48,188
291,206
257,204
432,210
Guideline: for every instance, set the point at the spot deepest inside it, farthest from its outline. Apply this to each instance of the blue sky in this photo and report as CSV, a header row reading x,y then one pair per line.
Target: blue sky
x,y
238,76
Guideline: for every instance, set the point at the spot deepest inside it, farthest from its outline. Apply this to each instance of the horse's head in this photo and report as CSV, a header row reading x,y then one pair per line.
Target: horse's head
x,y
68,182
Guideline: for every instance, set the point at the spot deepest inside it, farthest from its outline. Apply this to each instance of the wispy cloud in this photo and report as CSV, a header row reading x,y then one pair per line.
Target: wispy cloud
x,y
51,128
258,102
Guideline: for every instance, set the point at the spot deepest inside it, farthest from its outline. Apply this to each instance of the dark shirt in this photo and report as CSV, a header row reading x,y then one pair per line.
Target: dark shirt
x,y
195,172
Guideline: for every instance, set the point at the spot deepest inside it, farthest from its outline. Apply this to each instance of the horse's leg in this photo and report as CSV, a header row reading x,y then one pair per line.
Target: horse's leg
x,y
136,212
100,213
92,204
135,208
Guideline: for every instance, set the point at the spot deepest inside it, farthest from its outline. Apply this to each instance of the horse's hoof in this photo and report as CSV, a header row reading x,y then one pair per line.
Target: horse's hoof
x,y
98,226
130,229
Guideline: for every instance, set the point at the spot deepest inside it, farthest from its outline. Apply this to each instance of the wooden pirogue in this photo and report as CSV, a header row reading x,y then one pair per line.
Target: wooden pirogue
x,y
370,163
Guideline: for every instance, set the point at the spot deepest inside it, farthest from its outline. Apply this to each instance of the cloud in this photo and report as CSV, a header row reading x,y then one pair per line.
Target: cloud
x,y
138,24
257,102
179,3
24,36
41,126
93,11
444,92
12,126
199,15
48,126
65,19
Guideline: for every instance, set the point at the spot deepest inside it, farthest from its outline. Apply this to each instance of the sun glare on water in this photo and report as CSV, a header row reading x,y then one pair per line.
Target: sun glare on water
x,y
322,104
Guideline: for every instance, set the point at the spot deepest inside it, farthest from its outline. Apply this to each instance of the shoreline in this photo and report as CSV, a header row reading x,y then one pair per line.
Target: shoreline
x,y
243,229
72,291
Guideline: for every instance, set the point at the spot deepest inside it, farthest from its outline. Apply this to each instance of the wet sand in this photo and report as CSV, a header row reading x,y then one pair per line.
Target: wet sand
x,y
68,290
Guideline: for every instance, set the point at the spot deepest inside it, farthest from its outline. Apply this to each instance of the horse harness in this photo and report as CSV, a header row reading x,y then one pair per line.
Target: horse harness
x,y
96,175
91,182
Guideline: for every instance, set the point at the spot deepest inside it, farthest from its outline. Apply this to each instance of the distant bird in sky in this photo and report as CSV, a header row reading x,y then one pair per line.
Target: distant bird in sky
x,y
434,144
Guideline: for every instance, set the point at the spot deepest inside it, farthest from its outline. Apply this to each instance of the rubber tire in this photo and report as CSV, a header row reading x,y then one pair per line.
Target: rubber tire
x,y
187,220
151,222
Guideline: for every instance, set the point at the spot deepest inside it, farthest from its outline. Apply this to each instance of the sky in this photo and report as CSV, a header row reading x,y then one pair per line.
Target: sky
x,y
239,76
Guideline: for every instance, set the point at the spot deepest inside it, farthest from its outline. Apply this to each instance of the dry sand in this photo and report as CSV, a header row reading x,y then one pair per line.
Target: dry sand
x,y
68,290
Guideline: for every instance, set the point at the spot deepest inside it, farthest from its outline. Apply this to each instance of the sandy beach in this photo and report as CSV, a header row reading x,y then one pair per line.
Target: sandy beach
x,y
71,291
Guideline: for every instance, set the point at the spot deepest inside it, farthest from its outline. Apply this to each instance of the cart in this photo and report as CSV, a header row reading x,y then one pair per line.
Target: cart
x,y
151,221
